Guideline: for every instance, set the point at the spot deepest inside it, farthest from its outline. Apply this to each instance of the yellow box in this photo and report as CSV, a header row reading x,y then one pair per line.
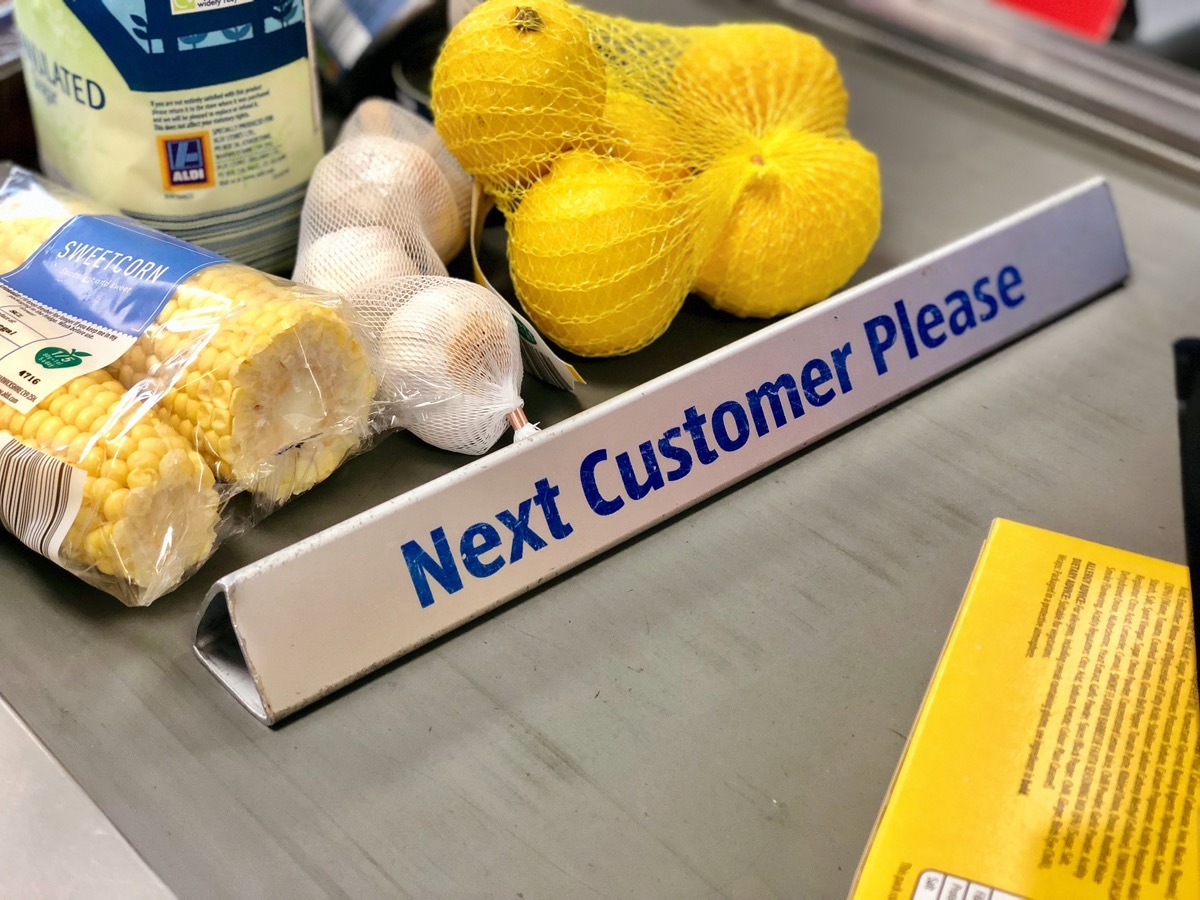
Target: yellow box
x,y
1056,752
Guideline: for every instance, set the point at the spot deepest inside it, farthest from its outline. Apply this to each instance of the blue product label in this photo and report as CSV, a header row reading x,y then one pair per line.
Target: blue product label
x,y
170,45
109,272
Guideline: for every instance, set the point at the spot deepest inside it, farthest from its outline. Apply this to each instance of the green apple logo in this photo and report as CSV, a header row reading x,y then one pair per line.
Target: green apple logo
x,y
58,358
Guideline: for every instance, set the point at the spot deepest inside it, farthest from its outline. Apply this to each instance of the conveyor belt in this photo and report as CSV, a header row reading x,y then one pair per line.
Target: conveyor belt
x,y
716,708
1125,95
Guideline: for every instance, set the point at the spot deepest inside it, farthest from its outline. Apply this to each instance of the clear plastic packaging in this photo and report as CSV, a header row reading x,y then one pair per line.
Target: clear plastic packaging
x,y
134,433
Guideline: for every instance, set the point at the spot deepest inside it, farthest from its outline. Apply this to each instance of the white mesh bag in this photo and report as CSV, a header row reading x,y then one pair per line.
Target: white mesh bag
x,y
449,360
345,260
379,117
389,200
365,216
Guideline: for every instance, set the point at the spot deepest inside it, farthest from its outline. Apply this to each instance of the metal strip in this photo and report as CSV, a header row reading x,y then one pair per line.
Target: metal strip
x,y
1143,105
54,841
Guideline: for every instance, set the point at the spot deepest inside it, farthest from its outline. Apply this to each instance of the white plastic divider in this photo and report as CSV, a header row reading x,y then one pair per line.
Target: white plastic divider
x,y
302,622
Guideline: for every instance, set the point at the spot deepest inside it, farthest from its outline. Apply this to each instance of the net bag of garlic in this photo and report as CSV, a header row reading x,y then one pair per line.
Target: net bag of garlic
x,y
145,381
385,208
388,201
449,361
638,162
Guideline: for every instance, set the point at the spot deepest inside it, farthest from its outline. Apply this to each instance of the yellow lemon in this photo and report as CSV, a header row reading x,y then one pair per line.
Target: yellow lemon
x,y
800,213
515,83
600,255
643,132
738,79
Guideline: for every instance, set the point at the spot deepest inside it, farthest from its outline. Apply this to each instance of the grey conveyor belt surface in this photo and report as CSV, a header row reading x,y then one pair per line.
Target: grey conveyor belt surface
x,y
714,709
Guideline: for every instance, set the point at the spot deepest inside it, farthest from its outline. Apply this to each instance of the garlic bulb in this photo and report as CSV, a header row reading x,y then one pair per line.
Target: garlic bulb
x,y
346,260
376,180
450,361
380,116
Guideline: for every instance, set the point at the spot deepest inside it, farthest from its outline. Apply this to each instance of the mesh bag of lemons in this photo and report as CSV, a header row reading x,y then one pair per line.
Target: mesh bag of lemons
x,y
636,163
145,383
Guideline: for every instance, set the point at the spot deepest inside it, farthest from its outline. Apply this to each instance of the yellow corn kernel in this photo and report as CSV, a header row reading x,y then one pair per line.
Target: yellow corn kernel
x,y
144,459
33,422
78,448
92,459
141,477
116,469
114,504
47,430
150,506
96,490
58,403
154,445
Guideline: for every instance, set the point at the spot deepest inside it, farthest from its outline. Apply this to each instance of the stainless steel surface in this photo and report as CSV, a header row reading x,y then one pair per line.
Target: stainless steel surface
x,y
1143,104
716,708
54,841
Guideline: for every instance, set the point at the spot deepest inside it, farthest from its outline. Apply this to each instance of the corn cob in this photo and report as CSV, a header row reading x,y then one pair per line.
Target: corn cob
x,y
277,396
268,382
150,506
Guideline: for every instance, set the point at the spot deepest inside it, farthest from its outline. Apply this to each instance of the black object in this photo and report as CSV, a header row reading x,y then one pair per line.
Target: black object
x,y
1127,23
1187,390
417,42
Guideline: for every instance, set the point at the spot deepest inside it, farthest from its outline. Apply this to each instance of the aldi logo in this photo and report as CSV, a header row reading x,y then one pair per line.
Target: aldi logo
x,y
186,162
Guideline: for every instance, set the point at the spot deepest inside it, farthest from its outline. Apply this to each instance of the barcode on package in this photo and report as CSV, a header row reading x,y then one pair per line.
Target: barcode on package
x,y
41,496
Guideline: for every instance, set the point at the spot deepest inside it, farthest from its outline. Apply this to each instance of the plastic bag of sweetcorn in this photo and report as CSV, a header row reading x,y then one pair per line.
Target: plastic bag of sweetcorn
x,y
144,382
637,162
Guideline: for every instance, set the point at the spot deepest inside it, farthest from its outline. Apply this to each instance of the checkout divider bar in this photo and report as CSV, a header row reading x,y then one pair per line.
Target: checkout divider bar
x,y
297,625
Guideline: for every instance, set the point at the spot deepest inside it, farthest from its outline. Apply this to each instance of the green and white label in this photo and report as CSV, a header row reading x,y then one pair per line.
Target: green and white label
x,y
82,299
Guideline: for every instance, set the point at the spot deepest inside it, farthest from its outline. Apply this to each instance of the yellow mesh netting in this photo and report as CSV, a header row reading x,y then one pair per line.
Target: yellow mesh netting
x,y
636,162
